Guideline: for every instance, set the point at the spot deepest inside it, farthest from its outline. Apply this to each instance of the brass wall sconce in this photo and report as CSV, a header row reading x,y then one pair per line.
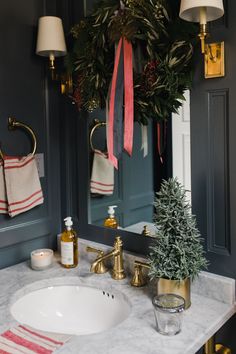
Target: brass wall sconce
x,y
203,11
66,84
214,60
51,43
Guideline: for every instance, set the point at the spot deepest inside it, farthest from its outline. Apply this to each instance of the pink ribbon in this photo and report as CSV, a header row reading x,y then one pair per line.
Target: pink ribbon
x,y
129,97
128,101
110,146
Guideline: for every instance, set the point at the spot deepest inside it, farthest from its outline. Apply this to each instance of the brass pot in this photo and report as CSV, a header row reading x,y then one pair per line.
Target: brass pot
x,y
179,287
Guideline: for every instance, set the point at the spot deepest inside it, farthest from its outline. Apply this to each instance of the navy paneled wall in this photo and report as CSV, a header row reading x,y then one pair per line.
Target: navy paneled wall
x,y
213,127
27,94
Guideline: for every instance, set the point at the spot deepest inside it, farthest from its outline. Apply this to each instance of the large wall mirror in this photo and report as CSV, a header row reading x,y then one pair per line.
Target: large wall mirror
x,y
135,182
137,179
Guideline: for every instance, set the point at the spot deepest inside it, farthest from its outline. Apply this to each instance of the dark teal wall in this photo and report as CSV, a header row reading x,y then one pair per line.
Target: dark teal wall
x,y
28,95
213,128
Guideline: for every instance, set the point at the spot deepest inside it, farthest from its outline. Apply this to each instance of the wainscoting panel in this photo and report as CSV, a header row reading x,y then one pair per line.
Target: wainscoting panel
x,y
218,173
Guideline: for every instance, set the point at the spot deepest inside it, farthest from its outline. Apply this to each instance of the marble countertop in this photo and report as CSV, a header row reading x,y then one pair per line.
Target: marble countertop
x,y
210,309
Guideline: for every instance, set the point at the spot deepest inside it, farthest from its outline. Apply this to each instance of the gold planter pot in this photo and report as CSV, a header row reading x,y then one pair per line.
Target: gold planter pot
x,y
182,288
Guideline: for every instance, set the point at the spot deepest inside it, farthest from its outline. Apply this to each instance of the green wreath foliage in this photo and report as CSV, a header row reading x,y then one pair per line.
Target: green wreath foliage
x,y
162,46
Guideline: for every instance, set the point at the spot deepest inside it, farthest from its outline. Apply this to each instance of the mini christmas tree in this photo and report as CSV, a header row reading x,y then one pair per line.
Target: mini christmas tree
x,y
177,252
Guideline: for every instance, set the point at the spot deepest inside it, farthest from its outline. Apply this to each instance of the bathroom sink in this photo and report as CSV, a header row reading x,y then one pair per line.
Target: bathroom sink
x,y
71,309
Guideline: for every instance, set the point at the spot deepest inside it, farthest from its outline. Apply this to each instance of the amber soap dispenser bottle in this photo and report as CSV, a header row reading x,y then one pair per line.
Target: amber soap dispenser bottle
x,y
69,245
111,220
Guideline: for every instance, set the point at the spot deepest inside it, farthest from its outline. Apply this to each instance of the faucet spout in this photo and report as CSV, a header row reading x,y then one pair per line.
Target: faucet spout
x,y
96,263
118,272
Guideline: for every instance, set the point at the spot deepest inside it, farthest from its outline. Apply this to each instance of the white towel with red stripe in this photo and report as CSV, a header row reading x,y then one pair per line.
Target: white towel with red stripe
x,y
3,195
102,176
24,339
20,184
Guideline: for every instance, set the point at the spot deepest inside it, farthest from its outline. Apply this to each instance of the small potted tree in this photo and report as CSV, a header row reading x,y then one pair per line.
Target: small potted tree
x,y
176,255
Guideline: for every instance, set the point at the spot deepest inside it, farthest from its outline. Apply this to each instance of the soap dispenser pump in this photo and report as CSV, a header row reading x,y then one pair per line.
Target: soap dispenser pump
x,y
69,245
111,220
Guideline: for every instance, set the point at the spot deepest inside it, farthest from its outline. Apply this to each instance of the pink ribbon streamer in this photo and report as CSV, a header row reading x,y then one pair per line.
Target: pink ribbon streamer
x,y
129,97
110,144
128,101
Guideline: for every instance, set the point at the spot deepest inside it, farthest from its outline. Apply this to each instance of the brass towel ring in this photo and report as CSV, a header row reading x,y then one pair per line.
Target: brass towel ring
x,y
97,125
12,124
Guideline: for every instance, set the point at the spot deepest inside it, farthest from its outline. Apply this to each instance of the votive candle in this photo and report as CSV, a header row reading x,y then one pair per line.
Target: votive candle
x,y
41,258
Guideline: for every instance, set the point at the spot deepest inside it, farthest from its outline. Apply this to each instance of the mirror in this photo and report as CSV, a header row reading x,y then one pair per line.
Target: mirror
x,y
135,182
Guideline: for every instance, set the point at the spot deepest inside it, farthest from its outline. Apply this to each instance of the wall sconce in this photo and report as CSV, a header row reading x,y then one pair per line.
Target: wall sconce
x,y
51,41
203,11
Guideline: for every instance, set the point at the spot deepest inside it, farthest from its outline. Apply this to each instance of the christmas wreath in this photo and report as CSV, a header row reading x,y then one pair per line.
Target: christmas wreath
x,y
162,56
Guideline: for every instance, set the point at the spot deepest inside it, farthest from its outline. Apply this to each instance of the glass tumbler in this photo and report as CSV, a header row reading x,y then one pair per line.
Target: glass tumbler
x,y
168,309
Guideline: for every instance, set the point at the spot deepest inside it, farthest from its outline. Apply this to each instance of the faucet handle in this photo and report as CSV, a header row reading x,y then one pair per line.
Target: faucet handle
x,y
100,268
146,231
138,279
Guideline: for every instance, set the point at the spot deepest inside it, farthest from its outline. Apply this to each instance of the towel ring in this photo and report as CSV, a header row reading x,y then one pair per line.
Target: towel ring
x,y
98,124
13,124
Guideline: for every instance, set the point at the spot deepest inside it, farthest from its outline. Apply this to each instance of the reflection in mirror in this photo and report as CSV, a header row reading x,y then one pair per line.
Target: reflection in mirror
x,y
139,177
135,182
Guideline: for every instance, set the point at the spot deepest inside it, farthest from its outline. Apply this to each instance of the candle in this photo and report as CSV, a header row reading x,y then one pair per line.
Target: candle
x,y
41,259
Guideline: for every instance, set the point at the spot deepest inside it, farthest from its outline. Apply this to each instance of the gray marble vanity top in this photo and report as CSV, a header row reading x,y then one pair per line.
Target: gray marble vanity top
x,y
210,309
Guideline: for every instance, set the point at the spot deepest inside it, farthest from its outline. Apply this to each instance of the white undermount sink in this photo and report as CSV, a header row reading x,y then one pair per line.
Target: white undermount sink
x,y
71,309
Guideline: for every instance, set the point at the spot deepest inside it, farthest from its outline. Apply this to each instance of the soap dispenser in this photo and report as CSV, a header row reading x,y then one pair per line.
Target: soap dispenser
x,y
69,245
111,221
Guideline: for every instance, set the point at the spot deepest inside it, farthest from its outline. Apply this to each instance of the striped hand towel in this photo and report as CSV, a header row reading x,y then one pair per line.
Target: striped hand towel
x,y
26,340
23,188
3,196
102,177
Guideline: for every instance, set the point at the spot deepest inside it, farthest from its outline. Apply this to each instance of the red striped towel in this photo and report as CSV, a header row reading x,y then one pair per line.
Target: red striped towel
x,y
102,177
26,340
3,196
23,188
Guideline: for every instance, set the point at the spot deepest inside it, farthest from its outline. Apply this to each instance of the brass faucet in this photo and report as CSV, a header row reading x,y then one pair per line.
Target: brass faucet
x,y
118,272
101,268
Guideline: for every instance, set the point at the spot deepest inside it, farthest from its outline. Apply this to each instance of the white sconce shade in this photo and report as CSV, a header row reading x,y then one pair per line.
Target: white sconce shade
x,y
190,10
51,40
201,11
204,11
